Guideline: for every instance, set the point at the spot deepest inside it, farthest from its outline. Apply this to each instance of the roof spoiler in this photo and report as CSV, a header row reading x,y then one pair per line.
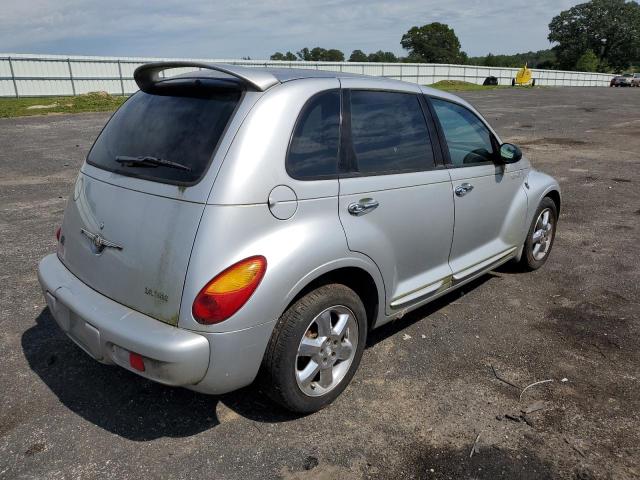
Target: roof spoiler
x,y
147,75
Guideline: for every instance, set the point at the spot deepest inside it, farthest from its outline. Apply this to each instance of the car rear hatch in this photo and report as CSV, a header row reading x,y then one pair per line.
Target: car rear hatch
x,y
122,234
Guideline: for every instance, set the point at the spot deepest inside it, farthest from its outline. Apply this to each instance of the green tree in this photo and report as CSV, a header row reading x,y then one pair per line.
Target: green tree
x,y
490,60
544,59
358,56
588,62
609,28
380,56
284,56
318,54
433,43
333,55
304,54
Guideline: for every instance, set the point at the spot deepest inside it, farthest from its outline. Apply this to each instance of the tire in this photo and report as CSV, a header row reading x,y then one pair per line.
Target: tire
x,y
532,260
284,373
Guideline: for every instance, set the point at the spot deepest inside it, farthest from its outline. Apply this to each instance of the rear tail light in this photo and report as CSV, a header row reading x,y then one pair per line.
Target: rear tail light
x,y
58,233
229,291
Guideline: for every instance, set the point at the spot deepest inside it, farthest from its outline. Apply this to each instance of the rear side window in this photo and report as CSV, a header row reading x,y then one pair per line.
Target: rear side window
x,y
468,139
181,129
389,133
313,152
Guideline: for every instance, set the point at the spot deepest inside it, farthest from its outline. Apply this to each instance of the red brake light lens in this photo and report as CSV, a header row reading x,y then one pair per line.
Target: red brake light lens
x,y
58,232
229,291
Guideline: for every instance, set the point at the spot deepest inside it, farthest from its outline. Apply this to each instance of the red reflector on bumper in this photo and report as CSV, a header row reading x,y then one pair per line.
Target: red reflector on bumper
x,y
136,361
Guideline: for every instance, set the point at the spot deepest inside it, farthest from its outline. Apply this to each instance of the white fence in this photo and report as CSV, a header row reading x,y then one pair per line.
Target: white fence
x,y
38,75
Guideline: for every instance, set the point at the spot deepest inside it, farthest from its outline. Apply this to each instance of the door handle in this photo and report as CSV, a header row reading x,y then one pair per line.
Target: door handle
x,y
462,190
365,205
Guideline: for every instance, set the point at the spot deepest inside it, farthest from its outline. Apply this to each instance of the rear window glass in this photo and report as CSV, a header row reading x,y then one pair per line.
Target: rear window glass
x,y
389,133
184,130
313,152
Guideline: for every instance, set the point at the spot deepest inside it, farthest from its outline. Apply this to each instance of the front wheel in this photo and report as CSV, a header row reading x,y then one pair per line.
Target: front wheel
x,y
541,235
315,349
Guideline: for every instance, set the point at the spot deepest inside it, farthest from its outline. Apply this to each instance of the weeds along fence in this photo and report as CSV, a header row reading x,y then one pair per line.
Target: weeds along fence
x,y
24,75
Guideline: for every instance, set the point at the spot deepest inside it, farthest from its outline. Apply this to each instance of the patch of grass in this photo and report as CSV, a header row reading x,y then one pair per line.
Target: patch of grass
x,y
460,86
89,102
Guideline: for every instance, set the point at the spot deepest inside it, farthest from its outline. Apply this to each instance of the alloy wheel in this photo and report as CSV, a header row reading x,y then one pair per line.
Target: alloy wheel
x,y
542,235
326,350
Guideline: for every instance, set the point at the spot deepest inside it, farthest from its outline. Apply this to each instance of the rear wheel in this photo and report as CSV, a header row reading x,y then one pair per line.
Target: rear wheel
x,y
541,235
315,349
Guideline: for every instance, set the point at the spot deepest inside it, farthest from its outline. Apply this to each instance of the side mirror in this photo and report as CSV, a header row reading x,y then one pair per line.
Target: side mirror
x,y
509,153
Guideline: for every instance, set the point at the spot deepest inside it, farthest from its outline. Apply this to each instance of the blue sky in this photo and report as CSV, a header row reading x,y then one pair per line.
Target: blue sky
x,y
257,28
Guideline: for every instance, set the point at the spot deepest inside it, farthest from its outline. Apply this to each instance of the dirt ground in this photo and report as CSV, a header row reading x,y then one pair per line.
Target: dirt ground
x,y
425,389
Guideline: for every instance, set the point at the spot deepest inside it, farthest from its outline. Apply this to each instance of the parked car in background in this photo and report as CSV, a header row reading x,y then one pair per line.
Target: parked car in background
x,y
635,81
233,224
621,80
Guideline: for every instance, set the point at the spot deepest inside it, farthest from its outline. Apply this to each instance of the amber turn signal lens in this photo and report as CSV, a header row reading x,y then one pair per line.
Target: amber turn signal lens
x,y
229,291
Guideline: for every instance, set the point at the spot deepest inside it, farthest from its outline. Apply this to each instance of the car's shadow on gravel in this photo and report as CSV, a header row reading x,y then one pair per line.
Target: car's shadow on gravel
x,y
395,326
123,403
137,409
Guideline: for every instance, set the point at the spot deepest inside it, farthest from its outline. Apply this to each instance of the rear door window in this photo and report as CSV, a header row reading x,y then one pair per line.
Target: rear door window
x,y
182,129
389,133
313,152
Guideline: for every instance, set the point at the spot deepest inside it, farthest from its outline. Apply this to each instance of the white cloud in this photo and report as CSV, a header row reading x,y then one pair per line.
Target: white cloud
x,y
258,28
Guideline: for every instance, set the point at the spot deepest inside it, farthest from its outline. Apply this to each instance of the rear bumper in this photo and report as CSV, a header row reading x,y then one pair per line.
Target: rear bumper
x,y
108,331
212,363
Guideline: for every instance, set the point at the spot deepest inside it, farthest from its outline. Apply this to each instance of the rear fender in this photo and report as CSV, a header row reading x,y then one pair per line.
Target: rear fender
x,y
297,250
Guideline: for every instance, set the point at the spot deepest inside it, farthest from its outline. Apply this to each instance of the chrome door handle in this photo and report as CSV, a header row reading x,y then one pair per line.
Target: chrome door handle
x,y
462,190
365,205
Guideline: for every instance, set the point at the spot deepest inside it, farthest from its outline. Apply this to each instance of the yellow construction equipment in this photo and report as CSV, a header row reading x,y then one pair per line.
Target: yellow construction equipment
x,y
524,77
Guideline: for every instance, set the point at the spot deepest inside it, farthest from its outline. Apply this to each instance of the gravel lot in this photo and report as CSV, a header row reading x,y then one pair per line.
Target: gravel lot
x,y
425,388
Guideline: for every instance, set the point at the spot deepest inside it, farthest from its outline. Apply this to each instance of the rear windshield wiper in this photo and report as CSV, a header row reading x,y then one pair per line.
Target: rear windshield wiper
x,y
149,162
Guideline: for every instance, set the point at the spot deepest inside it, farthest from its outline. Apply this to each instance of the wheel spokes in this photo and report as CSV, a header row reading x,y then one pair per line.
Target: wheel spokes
x,y
309,347
536,249
545,219
308,373
344,350
537,236
324,324
340,327
326,377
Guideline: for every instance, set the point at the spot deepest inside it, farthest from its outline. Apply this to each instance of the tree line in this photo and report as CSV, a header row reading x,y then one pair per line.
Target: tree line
x,y
318,54
597,36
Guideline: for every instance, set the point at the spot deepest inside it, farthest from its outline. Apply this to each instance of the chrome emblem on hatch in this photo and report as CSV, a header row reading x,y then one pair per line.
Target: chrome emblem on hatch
x,y
99,242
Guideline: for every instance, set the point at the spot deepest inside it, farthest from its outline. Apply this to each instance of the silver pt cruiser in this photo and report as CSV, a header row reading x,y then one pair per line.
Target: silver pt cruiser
x,y
232,224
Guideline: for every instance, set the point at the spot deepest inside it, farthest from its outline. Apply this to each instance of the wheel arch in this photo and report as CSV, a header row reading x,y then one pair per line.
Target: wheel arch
x,y
555,196
541,185
356,275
